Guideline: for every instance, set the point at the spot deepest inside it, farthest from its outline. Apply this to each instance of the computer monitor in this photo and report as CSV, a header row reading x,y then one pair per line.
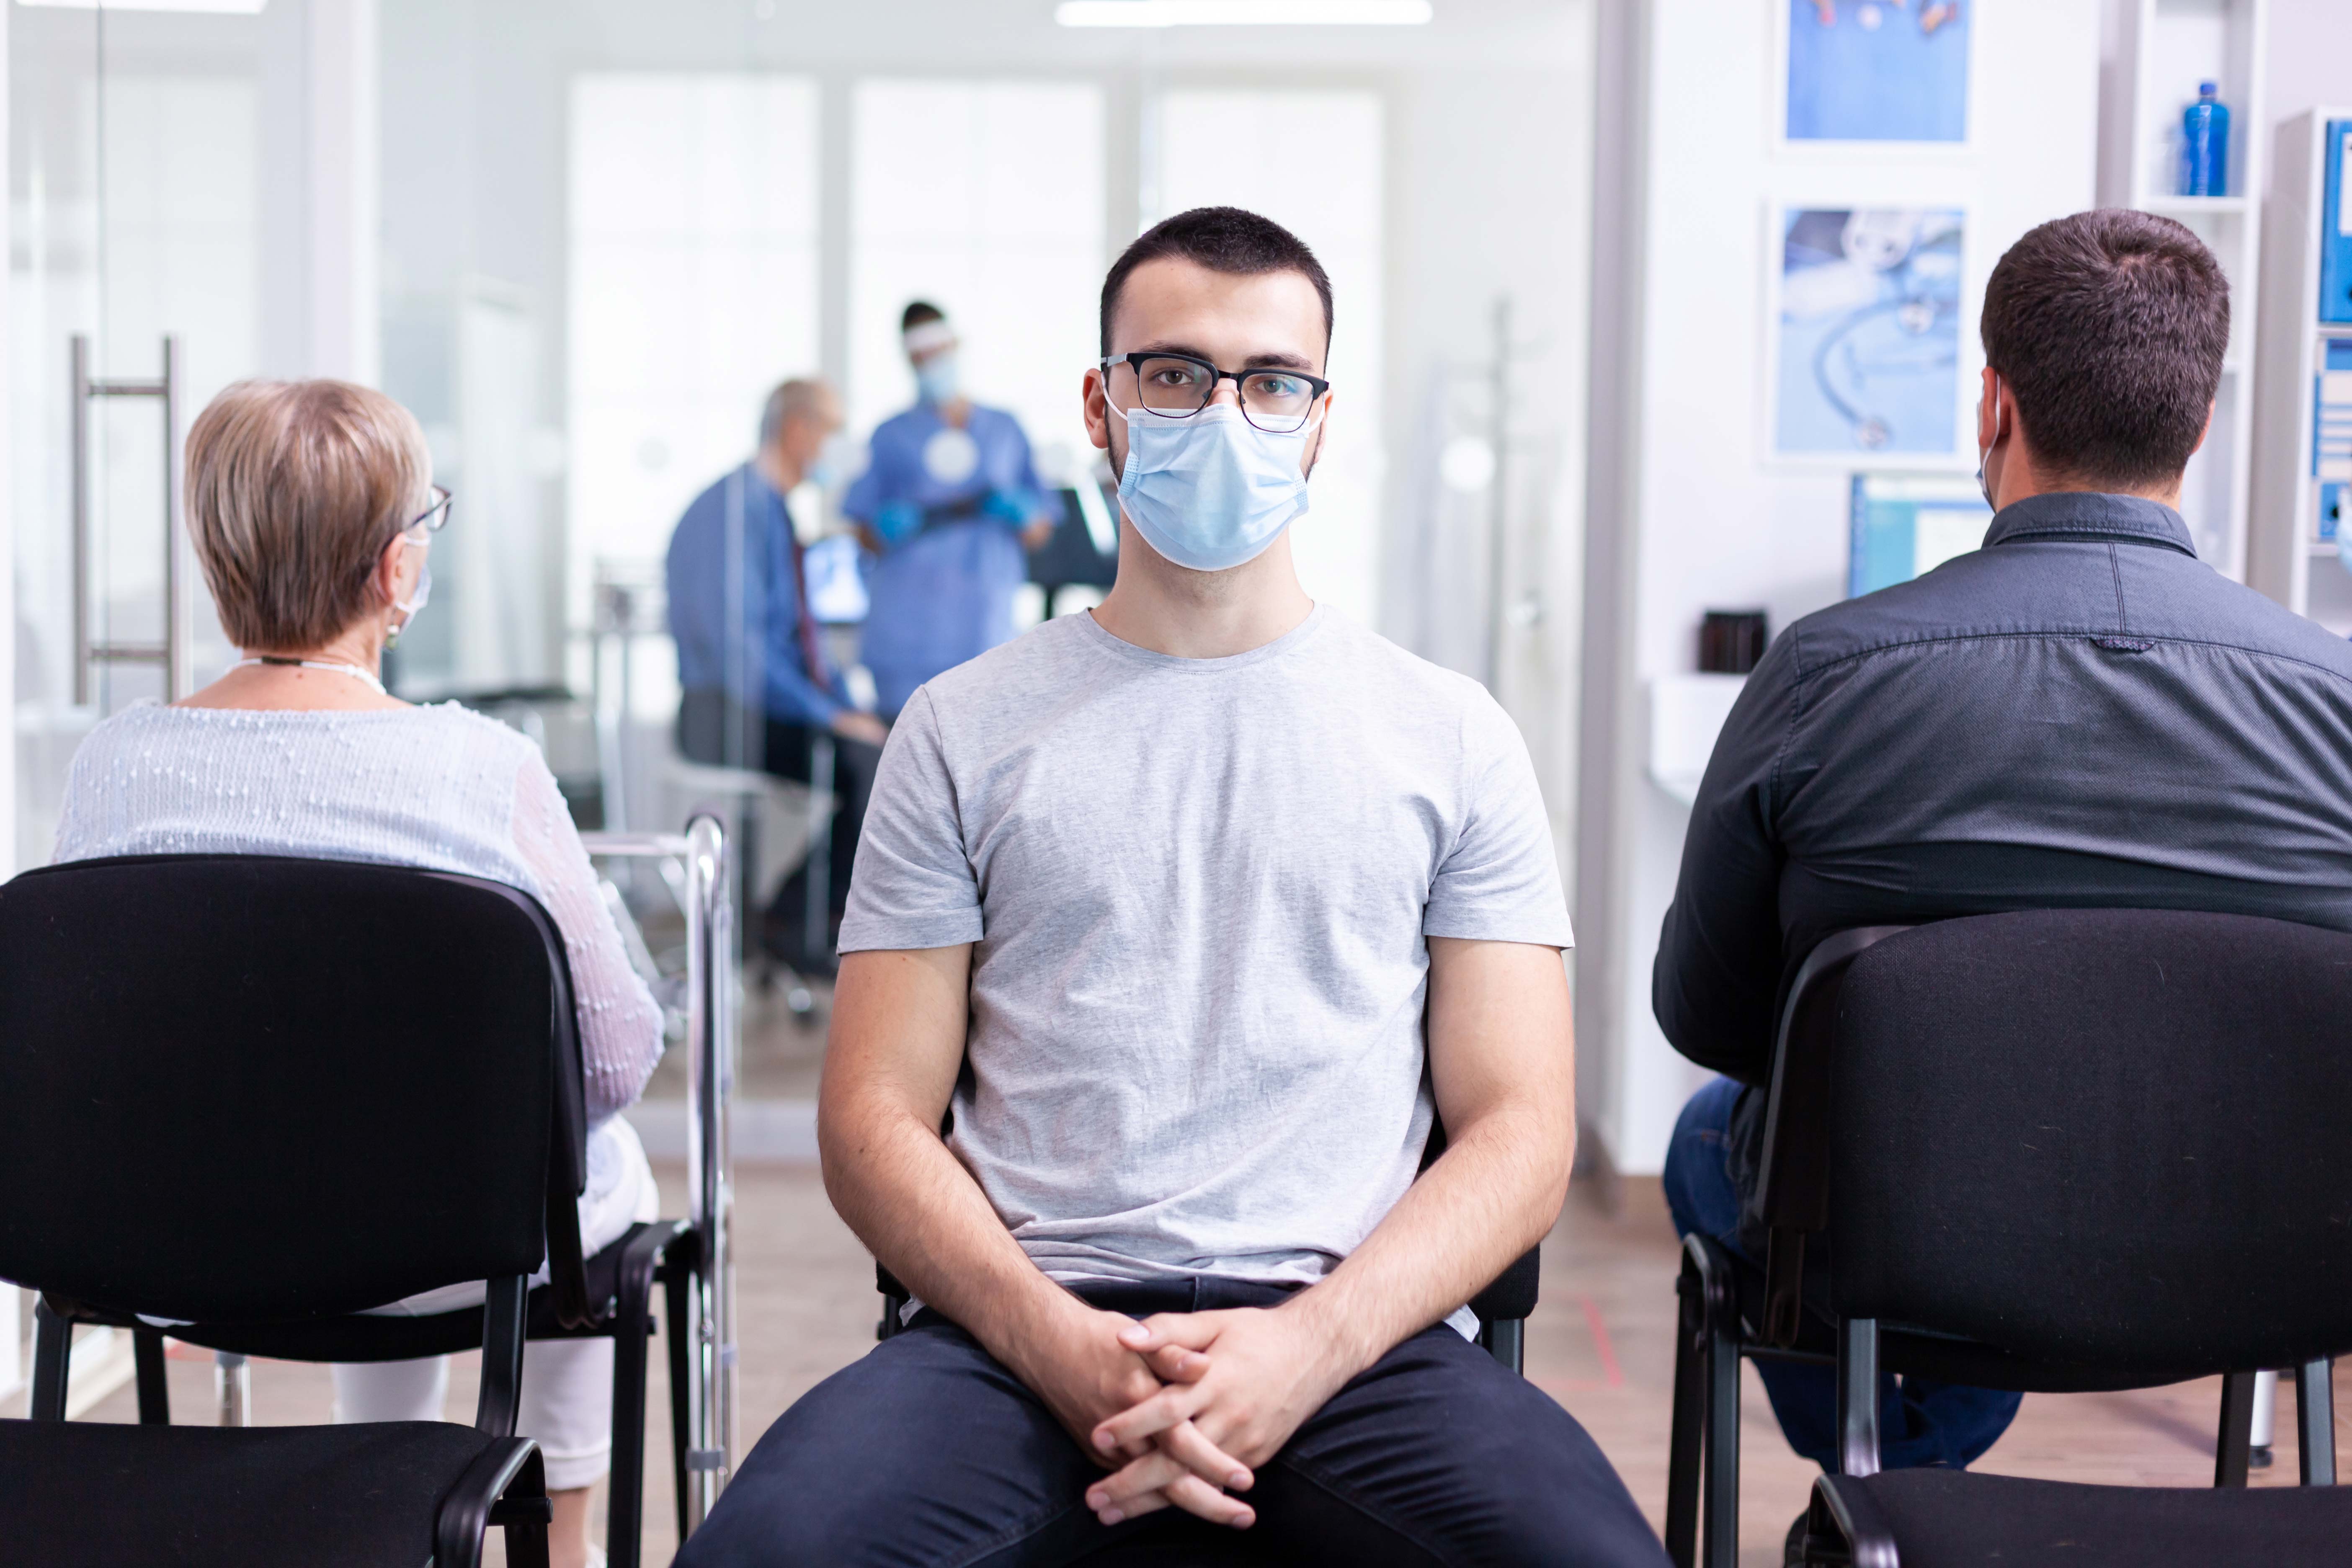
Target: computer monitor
x,y
1904,524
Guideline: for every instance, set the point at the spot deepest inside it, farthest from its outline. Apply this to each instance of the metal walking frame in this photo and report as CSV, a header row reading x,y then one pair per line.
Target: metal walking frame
x,y
695,864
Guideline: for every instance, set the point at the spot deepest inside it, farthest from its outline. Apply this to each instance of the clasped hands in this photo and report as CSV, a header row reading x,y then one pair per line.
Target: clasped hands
x,y
1183,1407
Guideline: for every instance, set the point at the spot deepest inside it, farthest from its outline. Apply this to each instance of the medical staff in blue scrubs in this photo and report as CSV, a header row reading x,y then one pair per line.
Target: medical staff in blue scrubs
x,y
948,505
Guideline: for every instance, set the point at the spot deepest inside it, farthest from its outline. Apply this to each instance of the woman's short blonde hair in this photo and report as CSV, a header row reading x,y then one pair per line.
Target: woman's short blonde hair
x,y
295,487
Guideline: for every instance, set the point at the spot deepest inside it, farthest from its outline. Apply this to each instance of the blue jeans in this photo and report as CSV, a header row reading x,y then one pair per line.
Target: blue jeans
x,y
928,1452
1919,1422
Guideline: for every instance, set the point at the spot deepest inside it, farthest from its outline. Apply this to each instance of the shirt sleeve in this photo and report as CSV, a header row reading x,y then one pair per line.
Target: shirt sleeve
x,y
620,1025
791,694
1499,881
913,886
1715,985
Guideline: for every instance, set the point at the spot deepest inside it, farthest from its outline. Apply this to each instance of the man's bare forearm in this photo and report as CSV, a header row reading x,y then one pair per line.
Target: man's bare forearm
x,y
920,1212
891,1066
1502,1059
1493,1195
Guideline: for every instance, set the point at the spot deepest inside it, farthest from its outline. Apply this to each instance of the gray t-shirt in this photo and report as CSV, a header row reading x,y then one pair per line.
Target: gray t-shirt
x,y
1198,892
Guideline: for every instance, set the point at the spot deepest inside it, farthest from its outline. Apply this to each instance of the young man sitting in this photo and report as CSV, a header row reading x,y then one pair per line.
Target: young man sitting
x,y
1192,913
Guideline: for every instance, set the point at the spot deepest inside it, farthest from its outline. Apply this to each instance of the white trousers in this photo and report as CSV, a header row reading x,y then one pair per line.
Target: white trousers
x,y
567,1385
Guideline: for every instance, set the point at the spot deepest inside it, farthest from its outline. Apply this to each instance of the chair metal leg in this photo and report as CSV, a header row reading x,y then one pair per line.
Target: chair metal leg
x,y
506,1485
233,1388
1857,1387
1507,1342
505,1311
52,1361
1684,1450
677,1329
1722,1442
624,1516
2231,1448
2314,1420
154,1394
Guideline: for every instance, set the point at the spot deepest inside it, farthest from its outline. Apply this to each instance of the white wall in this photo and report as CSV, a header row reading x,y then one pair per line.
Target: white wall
x,y
1708,521
2310,48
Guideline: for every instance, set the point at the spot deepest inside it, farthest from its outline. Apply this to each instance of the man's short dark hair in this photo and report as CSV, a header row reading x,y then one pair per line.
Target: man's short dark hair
x,y
916,313
2109,327
1222,239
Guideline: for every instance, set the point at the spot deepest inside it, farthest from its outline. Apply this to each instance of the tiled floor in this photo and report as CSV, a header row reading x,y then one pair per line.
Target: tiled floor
x,y
1601,1342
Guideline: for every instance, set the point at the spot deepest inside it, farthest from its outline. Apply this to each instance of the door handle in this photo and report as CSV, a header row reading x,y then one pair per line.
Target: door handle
x,y
174,653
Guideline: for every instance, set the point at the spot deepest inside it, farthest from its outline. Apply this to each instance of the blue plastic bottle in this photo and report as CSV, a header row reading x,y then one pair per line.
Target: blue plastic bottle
x,y
2205,145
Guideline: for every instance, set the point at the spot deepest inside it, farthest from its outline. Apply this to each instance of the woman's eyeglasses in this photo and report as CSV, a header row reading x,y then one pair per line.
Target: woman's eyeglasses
x,y
434,518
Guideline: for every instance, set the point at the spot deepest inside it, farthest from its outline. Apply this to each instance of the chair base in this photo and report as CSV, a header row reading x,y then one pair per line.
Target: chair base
x,y
621,1279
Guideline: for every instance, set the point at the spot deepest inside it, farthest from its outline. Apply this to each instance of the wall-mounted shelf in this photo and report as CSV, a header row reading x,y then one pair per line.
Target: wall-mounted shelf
x,y
2286,559
2168,47
2194,206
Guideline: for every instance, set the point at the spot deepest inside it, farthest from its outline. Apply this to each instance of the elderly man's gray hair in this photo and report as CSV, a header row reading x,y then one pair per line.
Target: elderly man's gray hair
x,y
798,398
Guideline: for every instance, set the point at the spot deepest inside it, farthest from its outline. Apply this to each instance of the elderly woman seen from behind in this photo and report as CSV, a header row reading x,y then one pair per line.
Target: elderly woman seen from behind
x,y
312,512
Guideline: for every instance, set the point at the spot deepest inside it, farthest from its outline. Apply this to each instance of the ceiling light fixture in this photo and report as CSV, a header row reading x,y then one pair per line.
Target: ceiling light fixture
x,y
1241,12
218,7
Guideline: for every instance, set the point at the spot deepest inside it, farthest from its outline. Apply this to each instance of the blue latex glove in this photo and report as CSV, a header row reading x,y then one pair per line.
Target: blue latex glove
x,y
899,522
1006,508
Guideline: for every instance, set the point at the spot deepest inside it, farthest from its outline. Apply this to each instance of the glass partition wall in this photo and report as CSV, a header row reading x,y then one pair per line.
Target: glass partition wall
x,y
140,281
602,232
605,242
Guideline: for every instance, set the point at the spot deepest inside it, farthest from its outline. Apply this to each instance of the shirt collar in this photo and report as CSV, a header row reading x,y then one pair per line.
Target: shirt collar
x,y
2086,514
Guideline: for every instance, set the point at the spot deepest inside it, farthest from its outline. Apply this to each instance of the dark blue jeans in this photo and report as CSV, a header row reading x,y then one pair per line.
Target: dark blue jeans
x,y
929,1452
1919,1422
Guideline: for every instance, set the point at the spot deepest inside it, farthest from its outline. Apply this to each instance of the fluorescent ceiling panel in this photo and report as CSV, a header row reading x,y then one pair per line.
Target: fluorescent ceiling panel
x,y
1241,12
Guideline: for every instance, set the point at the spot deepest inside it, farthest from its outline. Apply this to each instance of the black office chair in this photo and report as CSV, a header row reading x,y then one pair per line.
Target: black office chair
x,y
286,1090
1502,1308
2091,1008
2108,1140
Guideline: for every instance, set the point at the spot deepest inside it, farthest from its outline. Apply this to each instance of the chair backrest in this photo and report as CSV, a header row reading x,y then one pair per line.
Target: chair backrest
x,y
248,1088
2114,1138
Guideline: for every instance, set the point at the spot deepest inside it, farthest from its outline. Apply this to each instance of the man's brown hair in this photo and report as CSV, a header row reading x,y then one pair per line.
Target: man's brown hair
x,y
295,487
2109,328
1222,239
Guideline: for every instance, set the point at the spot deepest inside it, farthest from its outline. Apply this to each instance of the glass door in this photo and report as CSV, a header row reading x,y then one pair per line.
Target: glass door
x,y
136,292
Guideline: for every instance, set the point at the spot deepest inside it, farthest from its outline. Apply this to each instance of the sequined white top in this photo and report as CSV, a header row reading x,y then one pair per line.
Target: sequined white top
x,y
438,787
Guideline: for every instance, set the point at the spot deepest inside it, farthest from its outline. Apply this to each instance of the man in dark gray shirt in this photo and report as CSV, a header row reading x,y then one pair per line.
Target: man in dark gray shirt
x,y
2080,714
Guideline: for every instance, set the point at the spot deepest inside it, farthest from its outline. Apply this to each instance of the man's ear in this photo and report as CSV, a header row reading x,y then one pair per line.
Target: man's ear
x,y
2201,435
1093,399
1322,430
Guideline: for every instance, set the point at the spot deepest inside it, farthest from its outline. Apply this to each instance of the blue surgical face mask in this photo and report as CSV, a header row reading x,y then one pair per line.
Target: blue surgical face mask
x,y
830,465
1211,491
936,378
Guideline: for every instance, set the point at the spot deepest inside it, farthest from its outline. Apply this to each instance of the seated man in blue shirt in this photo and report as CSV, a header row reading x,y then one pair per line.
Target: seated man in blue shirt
x,y
758,691
949,503
2081,714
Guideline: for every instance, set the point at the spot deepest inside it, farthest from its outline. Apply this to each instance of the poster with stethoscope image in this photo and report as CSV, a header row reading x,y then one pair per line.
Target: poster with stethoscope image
x,y
1857,76
1862,367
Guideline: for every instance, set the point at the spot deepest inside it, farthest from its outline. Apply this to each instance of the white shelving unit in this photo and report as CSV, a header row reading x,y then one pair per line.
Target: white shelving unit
x,y
2168,46
2288,560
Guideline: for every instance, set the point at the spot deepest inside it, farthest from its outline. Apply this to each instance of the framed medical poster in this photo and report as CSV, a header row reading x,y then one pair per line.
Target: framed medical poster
x,y
1874,71
1864,364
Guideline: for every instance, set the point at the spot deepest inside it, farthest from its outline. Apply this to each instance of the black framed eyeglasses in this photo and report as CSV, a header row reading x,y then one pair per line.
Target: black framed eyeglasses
x,y
434,518
1278,402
